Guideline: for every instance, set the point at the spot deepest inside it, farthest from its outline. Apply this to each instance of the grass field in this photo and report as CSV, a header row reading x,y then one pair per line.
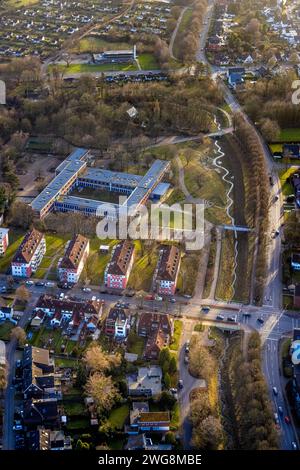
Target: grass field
x,y
94,45
144,266
96,263
224,289
118,417
178,325
15,237
91,68
148,62
286,186
74,408
135,344
289,135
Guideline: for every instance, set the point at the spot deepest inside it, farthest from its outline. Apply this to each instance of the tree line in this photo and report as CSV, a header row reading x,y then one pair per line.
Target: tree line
x,y
254,422
257,204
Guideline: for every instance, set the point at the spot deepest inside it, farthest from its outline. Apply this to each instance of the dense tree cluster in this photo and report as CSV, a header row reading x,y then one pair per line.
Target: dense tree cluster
x,y
252,409
269,103
188,38
257,203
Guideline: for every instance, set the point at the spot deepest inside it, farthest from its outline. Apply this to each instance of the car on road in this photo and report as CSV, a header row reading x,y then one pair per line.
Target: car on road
x,y
233,318
205,309
39,284
220,317
180,384
280,410
187,296
187,347
276,419
172,300
260,320
294,445
17,427
287,420
275,391
186,359
158,298
29,283
50,284
87,289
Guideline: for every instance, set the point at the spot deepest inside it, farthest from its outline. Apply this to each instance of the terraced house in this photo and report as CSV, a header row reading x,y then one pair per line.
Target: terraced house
x,y
72,264
29,254
167,269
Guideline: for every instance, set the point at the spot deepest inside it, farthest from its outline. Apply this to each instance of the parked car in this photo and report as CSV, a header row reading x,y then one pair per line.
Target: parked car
x,y
220,317
260,320
50,284
205,309
186,359
280,410
294,445
287,420
158,298
172,300
87,289
29,283
233,318
180,384
275,391
39,284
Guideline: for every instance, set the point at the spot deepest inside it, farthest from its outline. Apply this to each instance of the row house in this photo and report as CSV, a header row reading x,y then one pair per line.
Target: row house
x,y
72,264
117,323
118,269
69,312
3,240
45,439
38,374
29,254
41,412
167,270
158,328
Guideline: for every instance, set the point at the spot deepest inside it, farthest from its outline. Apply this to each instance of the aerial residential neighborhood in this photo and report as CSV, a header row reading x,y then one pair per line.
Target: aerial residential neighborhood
x,y
149,230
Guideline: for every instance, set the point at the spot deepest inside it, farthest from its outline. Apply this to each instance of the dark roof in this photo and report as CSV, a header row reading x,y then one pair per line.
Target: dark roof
x,y
291,149
296,258
38,412
150,322
28,247
74,252
121,258
296,332
117,313
168,263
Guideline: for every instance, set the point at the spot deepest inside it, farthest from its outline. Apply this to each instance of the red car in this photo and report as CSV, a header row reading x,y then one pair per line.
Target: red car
x,y
287,420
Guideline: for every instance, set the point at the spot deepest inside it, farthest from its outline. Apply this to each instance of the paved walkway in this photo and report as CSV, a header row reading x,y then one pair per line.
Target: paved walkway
x,y
173,37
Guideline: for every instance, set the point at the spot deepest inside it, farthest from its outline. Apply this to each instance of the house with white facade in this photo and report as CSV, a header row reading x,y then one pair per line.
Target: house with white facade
x,y
3,240
72,264
29,254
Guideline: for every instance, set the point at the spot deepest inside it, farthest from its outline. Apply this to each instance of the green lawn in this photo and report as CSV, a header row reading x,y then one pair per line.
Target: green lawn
x,y
144,265
176,336
118,417
66,362
74,408
79,423
5,329
15,238
175,416
94,45
135,344
91,68
286,186
289,135
148,62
